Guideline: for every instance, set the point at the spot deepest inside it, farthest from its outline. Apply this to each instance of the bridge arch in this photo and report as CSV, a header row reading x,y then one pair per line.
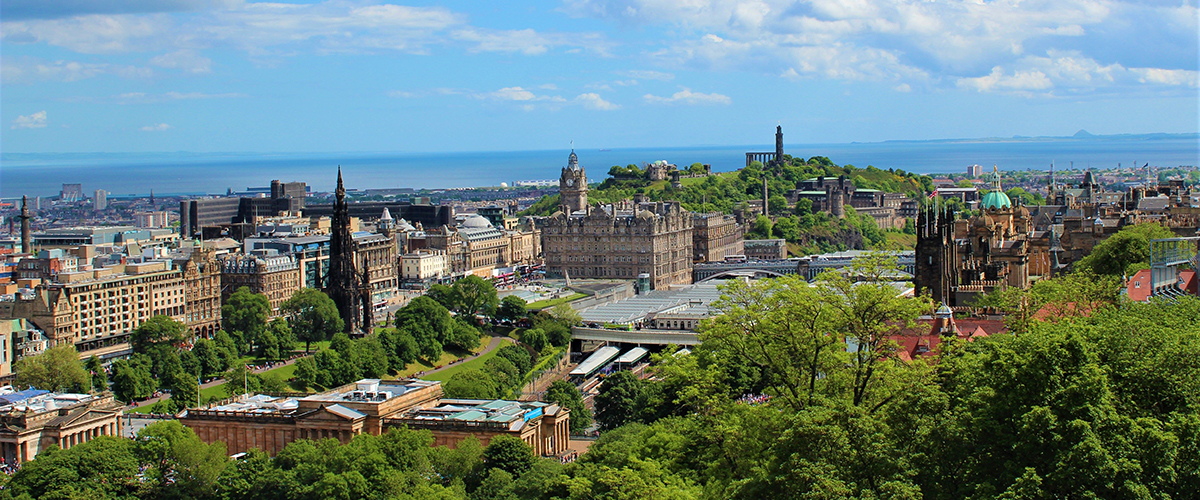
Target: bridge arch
x,y
740,273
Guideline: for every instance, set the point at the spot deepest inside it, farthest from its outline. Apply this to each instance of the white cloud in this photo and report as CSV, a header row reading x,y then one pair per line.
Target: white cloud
x,y
647,75
28,70
271,28
920,43
1071,72
519,94
144,98
686,96
187,60
35,120
548,86
594,101
156,128
512,94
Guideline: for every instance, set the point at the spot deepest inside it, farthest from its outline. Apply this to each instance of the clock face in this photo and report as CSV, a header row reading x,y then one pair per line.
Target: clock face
x,y
570,182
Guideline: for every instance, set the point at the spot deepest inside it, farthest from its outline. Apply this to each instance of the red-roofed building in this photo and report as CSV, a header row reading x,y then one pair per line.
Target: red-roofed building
x,y
923,340
1138,289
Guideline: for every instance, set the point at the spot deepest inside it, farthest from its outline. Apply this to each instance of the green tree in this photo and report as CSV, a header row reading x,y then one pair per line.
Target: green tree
x,y
399,347
1116,255
510,454
534,338
476,296
209,356
616,402
158,331
762,227
56,369
566,395
245,314
179,462
804,206
99,377
185,390
444,295
471,384
867,311
100,468
518,355
313,316
778,204
503,372
465,336
428,322
512,308
565,315
558,334
132,379
307,373
276,340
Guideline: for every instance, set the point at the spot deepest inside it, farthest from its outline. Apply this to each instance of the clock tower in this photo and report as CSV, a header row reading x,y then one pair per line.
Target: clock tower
x,y
572,186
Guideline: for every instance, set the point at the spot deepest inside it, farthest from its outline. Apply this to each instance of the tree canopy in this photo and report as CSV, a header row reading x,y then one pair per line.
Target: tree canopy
x,y
313,316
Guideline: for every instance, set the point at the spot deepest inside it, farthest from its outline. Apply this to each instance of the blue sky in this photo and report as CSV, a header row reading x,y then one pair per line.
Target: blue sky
x,y
232,75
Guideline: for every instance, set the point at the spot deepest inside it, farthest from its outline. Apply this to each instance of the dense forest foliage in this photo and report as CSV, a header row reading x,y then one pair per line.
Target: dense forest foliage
x,y
797,391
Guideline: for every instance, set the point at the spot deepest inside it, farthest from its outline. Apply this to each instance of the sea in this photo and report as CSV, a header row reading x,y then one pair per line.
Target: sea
x,y
166,174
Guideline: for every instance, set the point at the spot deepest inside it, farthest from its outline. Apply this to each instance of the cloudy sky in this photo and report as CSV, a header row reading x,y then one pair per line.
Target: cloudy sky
x,y
349,75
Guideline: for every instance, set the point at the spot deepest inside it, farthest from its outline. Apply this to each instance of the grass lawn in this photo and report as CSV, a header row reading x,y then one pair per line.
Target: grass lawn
x,y
445,375
544,304
447,357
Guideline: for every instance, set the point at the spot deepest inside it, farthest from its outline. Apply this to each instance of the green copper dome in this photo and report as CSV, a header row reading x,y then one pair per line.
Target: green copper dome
x,y
997,200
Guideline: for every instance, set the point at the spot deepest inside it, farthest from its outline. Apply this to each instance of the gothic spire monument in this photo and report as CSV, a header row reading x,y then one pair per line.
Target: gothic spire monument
x,y
341,281
573,186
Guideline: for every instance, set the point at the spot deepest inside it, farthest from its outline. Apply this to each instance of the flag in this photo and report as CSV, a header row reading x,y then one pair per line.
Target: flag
x,y
934,193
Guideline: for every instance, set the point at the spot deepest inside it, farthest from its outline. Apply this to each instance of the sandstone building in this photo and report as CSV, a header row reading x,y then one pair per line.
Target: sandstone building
x,y
616,241
34,420
265,272
372,406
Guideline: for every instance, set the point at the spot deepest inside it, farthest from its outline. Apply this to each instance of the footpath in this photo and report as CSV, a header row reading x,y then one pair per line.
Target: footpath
x,y
492,345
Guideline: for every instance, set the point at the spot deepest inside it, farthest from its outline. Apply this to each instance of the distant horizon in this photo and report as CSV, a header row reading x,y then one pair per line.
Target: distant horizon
x,y
1014,138
215,173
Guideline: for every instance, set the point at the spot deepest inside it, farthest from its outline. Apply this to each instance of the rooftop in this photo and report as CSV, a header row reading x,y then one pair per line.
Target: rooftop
x,y
696,297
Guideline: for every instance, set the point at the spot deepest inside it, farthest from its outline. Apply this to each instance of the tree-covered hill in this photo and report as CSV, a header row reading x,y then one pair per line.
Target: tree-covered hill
x,y
722,192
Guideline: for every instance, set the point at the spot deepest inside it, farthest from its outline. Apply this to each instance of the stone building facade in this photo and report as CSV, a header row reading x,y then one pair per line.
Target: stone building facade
x,y
34,422
268,273
98,309
716,236
959,260
201,289
372,406
573,185
618,243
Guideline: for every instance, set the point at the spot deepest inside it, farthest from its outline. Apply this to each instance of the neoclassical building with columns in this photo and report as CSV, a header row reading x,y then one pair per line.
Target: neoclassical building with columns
x,y
33,420
269,423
